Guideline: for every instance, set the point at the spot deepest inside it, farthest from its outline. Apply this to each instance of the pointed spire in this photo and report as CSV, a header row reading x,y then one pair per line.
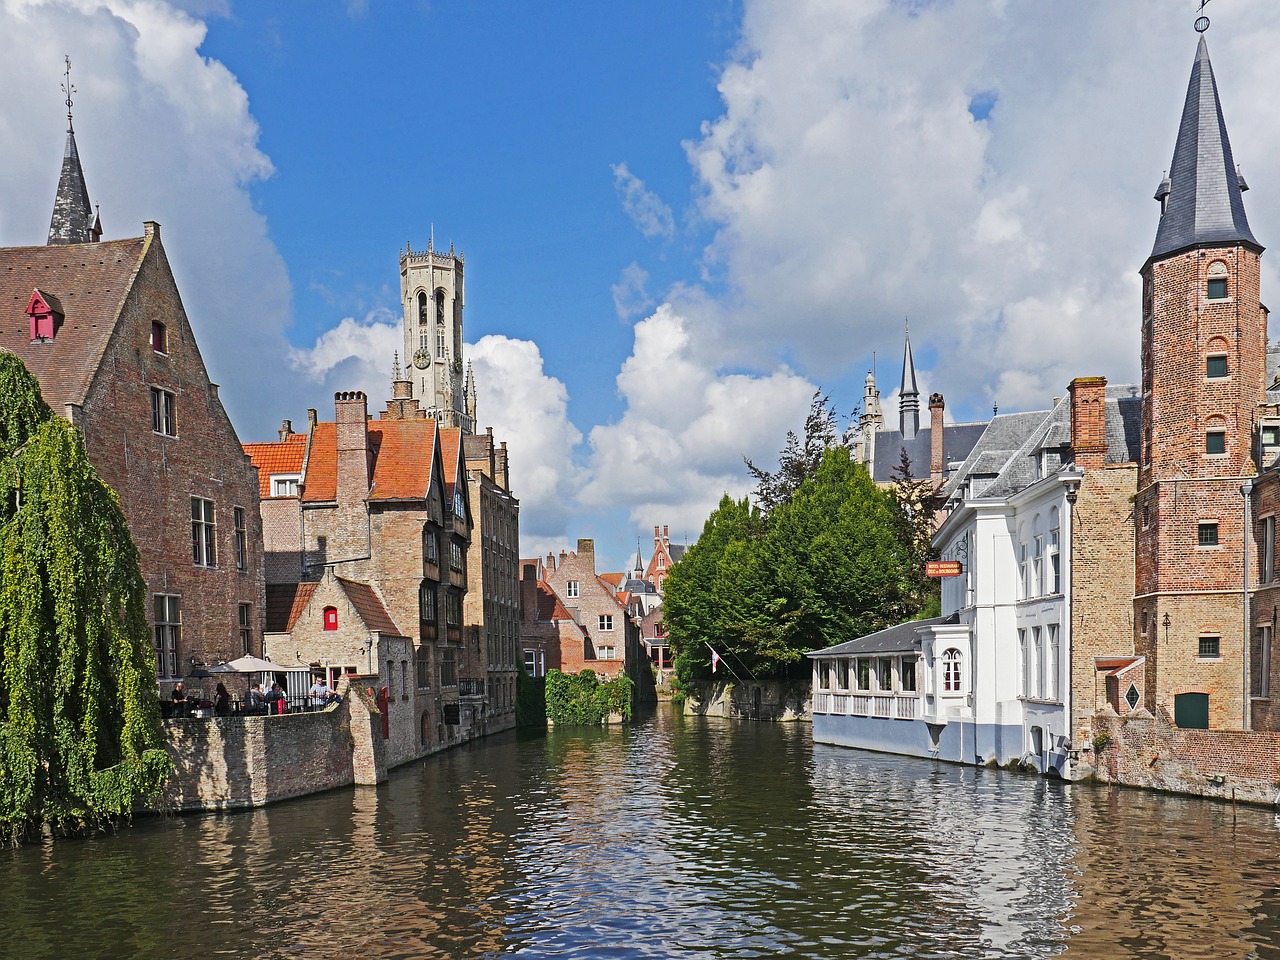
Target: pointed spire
x,y
1200,198
73,220
395,366
639,567
909,395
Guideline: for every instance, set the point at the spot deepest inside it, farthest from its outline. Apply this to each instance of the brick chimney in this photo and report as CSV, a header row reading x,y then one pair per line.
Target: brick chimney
x,y
937,466
666,540
587,551
1089,421
286,429
351,410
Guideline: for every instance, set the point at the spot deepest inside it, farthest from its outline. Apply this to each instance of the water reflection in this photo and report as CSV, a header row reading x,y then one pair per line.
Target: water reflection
x,y
678,837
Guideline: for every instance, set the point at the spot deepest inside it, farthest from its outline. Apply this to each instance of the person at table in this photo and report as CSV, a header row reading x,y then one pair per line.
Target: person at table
x,y
255,703
179,693
278,702
319,693
221,701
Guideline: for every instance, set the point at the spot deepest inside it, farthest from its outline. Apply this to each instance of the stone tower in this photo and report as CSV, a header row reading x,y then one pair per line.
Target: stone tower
x,y
1204,340
432,295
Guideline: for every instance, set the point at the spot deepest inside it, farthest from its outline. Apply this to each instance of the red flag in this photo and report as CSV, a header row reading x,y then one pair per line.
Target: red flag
x,y
715,661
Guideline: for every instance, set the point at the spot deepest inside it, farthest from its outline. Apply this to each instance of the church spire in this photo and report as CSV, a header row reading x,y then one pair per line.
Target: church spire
x,y
909,395
1200,198
73,219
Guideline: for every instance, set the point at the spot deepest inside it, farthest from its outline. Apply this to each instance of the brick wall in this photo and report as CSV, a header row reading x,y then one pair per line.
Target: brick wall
x,y
584,648
1149,751
235,762
157,475
1101,582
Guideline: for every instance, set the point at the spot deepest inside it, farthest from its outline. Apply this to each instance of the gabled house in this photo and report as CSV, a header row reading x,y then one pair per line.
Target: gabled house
x,y
102,326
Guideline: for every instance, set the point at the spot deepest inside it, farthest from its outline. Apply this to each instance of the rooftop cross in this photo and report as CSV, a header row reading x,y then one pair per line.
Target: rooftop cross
x,y
1202,22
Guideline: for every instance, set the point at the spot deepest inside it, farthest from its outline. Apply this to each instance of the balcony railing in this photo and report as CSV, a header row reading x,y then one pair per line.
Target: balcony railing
x,y
898,706
471,688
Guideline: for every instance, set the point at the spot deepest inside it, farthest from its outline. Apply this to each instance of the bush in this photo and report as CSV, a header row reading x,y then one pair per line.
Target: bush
x,y
582,700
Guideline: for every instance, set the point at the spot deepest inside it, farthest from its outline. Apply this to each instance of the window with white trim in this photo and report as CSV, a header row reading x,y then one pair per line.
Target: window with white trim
x,y
204,535
572,589
285,484
162,413
606,621
952,662
1052,666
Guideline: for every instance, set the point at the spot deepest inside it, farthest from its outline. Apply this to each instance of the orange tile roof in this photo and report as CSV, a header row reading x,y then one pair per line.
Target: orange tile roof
x,y
369,607
278,456
613,579
285,603
402,455
450,447
90,282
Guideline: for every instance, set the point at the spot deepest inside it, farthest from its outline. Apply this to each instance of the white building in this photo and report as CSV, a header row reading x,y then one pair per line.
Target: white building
x,y
989,680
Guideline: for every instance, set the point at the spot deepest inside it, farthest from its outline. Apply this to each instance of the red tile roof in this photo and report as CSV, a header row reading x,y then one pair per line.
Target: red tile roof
x,y
402,455
285,603
90,282
1114,665
369,607
278,456
613,579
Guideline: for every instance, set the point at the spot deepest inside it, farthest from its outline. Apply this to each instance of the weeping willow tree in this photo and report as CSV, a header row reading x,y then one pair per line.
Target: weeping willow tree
x,y
79,719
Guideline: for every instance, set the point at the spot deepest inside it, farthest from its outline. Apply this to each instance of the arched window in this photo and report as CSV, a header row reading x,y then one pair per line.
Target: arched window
x,y
951,663
423,317
331,618
440,306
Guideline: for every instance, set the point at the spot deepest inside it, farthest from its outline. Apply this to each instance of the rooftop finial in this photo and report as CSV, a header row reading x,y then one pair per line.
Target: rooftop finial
x,y
395,365
1202,22
68,89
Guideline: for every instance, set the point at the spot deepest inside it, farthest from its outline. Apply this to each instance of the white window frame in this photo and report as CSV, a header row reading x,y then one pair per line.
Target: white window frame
x,y
204,532
285,484
952,671
605,621
573,589
164,420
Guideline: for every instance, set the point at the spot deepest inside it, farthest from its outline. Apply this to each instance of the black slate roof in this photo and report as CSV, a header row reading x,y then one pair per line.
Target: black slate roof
x,y
72,220
903,637
1204,204
957,440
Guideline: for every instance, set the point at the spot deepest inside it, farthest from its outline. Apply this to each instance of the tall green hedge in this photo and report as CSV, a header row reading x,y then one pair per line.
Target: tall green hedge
x,y
581,699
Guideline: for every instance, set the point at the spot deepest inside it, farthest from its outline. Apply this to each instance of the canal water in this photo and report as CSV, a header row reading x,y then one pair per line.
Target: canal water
x,y
676,837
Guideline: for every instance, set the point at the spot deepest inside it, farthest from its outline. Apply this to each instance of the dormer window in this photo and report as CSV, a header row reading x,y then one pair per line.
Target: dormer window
x,y
45,313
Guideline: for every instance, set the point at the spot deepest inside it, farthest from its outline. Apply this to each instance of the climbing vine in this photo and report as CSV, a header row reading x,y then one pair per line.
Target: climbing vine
x,y
581,699
79,720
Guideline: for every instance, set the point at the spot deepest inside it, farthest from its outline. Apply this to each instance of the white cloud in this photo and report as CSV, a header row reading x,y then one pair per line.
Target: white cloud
x,y
679,446
848,184
629,294
354,355
528,409
651,216
164,134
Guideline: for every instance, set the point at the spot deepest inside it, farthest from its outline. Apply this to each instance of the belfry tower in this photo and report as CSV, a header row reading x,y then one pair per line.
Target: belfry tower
x,y
432,295
1204,343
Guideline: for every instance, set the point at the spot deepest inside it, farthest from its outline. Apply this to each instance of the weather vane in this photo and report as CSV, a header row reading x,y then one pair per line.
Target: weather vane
x,y
67,88
1202,22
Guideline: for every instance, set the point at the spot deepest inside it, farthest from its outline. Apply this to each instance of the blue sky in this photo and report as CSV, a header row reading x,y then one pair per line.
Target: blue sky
x,y
679,219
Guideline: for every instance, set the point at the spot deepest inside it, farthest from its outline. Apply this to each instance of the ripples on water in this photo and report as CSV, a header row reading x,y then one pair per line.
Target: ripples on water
x,y
682,838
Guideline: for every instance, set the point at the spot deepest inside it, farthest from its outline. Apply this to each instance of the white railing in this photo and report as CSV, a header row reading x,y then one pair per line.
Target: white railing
x,y
904,706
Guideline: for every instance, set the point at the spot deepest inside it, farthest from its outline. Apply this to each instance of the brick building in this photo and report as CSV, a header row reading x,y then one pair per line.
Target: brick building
x,y
1204,355
375,511
103,328
603,637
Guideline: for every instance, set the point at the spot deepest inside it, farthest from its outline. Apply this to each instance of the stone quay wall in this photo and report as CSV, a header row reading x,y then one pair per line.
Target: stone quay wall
x,y
229,763
767,700
1148,751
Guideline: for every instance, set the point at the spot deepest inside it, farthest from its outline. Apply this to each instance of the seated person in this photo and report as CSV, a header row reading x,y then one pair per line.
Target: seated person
x,y
255,704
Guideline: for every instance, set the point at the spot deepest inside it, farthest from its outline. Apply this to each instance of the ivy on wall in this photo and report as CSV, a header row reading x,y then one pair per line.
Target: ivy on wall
x,y
582,699
79,719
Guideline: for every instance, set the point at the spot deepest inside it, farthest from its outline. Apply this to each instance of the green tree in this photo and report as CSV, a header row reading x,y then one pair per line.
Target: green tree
x,y
698,597
582,699
800,457
79,720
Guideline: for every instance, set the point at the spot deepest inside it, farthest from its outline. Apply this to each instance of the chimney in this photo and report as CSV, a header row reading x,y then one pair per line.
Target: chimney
x,y
551,560
937,465
666,540
312,418
352,415
1089,421
657,538
286,429
587,551
503,468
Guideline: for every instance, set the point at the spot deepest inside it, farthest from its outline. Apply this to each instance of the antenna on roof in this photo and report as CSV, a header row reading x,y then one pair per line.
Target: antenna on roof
x,y
68,89
1202,22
